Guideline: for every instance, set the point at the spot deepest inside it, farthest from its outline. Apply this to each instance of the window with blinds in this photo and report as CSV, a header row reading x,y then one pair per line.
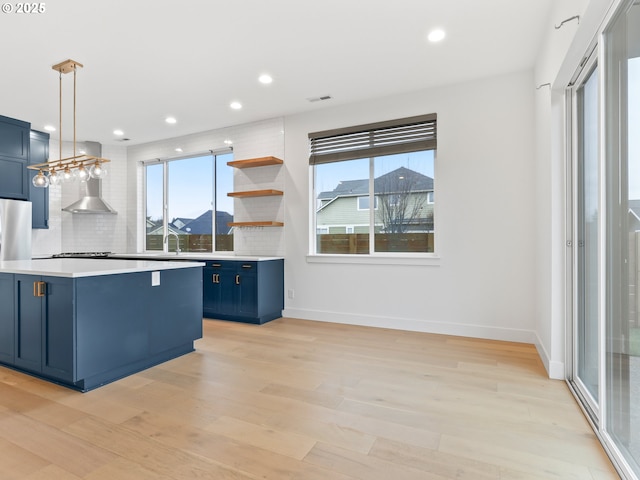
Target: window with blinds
x,y
387,164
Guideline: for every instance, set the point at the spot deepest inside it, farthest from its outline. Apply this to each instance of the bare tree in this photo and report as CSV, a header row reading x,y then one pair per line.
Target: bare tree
x,y
401,197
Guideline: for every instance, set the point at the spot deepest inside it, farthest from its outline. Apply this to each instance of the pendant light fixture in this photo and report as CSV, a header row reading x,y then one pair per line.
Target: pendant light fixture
x,y
68,169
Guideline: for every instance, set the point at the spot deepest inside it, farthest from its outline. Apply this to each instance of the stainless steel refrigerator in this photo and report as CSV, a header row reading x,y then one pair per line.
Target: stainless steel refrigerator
x,y
15,230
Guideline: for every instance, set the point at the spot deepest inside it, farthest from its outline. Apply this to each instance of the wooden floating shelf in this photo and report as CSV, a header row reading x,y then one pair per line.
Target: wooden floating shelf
x,y
255,224
256,193
255,162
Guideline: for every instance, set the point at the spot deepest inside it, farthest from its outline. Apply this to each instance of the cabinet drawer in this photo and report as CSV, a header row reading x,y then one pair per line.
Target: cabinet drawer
x,y
232,264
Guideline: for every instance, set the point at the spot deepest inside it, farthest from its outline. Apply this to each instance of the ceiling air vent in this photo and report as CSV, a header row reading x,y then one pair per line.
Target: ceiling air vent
x,y
319,99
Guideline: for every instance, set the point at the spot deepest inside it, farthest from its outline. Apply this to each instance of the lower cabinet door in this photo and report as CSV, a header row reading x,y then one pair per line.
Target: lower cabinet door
x,y
28,338
44,327
247,293
7,321
210,291
218,282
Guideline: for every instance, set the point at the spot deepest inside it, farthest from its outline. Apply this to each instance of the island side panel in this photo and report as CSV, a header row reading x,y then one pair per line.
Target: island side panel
x,y
111,325
126,324
175,309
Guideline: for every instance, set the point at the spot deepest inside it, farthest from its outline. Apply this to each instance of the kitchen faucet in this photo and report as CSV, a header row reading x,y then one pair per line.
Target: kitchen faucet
x,y
166,240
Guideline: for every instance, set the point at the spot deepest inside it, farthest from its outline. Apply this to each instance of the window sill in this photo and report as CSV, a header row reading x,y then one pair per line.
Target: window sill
x,y
432,260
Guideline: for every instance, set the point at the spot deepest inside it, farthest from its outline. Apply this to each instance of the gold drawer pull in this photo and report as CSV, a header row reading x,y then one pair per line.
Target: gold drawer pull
x,y
39,289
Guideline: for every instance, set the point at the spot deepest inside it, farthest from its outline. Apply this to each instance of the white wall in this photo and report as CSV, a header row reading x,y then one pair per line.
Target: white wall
x,y
485,212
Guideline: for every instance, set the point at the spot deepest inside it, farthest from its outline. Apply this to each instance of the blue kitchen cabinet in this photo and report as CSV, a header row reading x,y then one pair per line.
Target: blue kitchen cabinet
x,y
218,288
88,331
39,153
14,156
251,292
44,326
7,321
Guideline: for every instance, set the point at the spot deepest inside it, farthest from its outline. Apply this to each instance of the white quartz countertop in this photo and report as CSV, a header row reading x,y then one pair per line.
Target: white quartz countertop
x,y
88,267
193,256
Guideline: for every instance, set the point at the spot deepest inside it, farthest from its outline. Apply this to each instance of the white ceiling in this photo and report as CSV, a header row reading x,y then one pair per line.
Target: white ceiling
x,y
148,59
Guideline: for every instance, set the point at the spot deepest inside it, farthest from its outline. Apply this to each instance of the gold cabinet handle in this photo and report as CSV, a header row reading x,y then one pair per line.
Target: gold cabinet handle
x,y
39,289
217,278
237,279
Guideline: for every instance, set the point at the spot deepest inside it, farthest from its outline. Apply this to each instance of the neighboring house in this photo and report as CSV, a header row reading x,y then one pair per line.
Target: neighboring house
x,y
403,203
196,226
155,228
202,224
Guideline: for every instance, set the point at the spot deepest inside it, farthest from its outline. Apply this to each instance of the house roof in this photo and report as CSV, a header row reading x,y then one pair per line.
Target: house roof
x,y
202,224
346,188
387,183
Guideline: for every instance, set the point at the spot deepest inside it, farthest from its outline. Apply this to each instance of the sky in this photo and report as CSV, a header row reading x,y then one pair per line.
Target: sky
x,y
190,187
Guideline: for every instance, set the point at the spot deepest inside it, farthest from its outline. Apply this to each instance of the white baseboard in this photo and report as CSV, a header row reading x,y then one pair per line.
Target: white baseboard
x,y
555,369
413,325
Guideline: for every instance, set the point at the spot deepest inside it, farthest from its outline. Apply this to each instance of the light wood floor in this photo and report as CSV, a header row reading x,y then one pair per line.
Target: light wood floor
x,y
304,400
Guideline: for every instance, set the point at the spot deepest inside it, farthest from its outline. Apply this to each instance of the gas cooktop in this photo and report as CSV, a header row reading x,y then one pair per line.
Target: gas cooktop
x,y
81,255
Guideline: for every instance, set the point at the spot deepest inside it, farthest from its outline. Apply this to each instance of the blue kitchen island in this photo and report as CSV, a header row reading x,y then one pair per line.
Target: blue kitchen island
x,y
83,323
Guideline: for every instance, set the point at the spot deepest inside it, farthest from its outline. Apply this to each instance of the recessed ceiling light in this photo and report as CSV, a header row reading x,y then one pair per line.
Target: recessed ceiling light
x,y
228,142
236,105
178,150
118,132
266,79
171,120
50,128
436,35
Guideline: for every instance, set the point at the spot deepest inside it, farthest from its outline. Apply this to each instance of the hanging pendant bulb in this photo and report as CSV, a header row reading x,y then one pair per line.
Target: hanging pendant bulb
x,y
67,176
54,178
40,181
97,170
81,173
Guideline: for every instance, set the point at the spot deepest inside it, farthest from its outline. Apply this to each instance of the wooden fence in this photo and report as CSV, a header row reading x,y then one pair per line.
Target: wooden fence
x,y
358,243
192,243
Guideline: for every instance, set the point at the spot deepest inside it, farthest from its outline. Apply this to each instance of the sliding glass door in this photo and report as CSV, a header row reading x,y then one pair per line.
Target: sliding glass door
x,y
587,245
606,229
622,159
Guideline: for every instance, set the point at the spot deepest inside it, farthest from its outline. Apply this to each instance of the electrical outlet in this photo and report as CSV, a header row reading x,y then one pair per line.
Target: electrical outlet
x,y
291,294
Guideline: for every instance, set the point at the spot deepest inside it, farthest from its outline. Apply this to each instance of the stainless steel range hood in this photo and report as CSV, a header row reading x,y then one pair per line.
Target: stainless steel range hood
x,y
91,190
